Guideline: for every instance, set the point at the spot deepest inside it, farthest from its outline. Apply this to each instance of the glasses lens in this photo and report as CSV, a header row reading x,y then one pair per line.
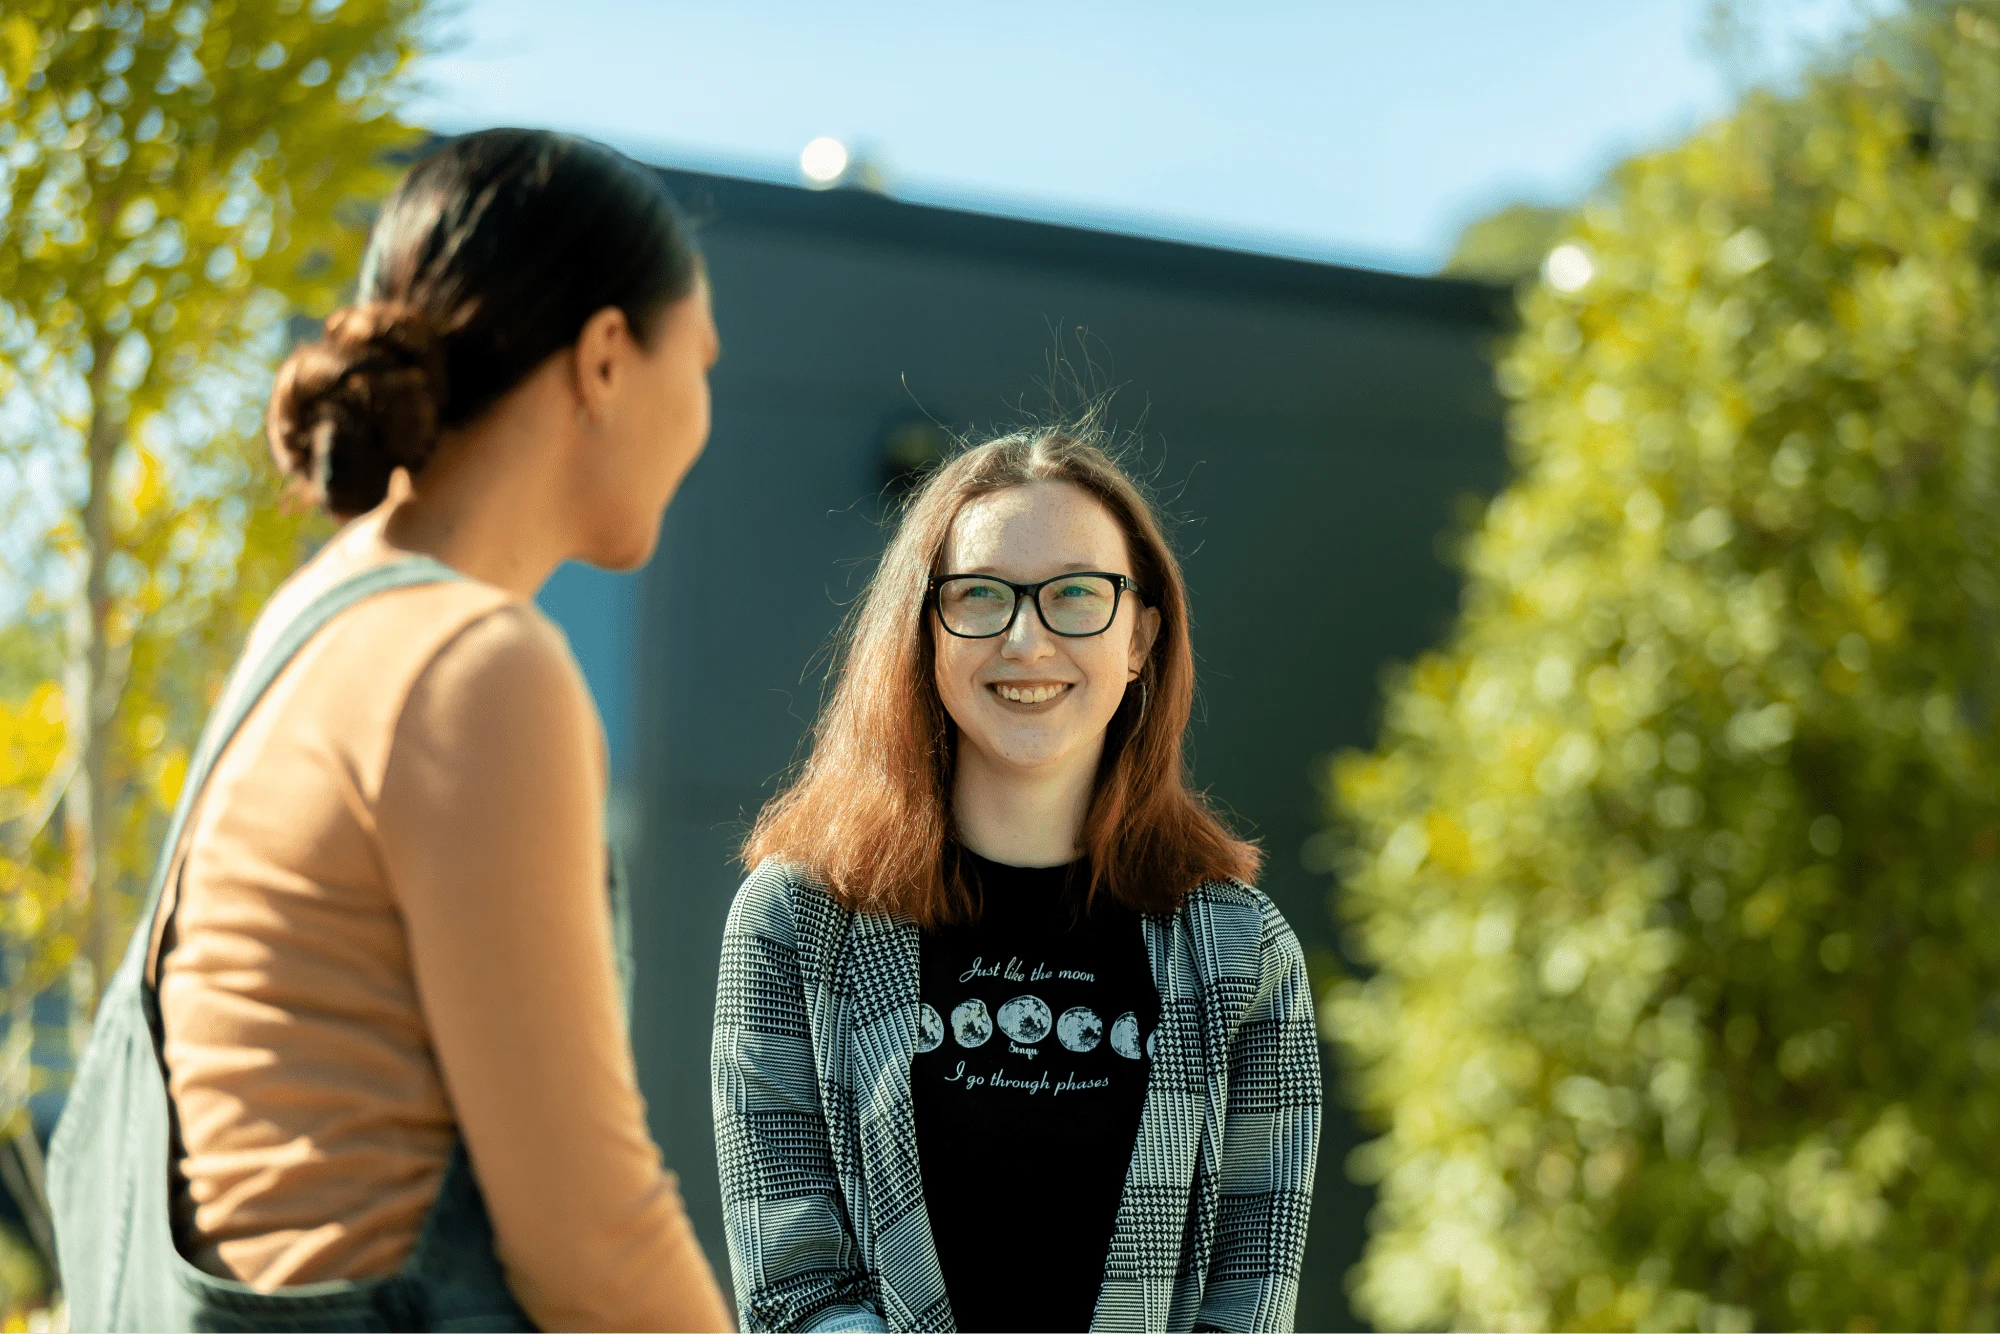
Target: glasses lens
x,y
975,607
1079,604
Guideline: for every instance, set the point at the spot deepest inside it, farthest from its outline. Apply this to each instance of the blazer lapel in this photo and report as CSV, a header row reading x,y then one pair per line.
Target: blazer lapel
x,y
882,986
1140,1269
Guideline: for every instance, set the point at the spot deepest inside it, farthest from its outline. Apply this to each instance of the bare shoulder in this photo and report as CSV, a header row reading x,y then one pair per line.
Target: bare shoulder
x,y
509,654
504,682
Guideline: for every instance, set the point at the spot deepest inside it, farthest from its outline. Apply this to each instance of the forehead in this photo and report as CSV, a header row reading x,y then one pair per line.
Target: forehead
x,y
1035,530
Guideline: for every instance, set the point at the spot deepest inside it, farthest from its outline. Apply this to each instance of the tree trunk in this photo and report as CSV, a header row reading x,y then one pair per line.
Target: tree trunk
x,y
93,695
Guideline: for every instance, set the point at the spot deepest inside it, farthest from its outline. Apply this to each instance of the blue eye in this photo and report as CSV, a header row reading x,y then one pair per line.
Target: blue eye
x,y
980,591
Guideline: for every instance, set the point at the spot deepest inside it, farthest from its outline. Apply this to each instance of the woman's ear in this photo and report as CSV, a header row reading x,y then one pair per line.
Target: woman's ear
x,y
1143,634
602,349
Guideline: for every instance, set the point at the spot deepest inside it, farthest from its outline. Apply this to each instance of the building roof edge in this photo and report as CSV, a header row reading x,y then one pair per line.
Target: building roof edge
x,y
720,203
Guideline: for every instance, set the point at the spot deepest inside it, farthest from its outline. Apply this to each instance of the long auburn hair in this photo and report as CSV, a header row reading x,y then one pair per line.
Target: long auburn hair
x,y
869,813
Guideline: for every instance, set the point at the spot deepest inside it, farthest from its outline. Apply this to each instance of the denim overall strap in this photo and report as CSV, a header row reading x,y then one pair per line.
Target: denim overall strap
x,y
620,889
109,1163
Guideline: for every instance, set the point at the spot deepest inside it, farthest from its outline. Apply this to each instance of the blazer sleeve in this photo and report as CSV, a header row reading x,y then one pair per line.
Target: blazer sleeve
x,y
792,1252
1270,1145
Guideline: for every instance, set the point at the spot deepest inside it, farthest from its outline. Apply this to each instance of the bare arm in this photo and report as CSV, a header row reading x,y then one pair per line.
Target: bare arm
x,y
490,819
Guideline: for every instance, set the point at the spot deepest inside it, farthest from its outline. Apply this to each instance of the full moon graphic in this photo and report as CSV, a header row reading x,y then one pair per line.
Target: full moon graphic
x,y
1079,1029
971,1024
930,1029
1125,1036
1025,1019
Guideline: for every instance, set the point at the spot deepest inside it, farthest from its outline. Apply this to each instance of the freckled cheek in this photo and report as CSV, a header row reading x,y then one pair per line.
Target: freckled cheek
x,y
1103,667
955,671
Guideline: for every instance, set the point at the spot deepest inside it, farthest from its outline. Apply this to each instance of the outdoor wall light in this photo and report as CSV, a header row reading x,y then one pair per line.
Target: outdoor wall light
x,y
827,164
1568,267
824,161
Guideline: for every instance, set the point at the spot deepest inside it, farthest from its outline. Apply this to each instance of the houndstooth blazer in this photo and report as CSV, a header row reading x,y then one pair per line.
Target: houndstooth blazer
x,y
815,1025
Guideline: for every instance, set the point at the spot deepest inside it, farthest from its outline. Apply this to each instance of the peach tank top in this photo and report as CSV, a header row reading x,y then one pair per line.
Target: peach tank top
x,y
392,932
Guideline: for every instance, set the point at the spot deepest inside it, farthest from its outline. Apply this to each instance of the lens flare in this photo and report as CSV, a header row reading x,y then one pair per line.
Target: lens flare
x,y
824,160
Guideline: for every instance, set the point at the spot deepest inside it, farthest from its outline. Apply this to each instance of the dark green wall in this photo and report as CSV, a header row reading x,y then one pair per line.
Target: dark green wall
x,y
1309,429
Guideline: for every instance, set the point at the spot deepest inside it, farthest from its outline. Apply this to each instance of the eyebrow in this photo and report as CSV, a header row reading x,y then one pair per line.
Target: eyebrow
x,y
1069,567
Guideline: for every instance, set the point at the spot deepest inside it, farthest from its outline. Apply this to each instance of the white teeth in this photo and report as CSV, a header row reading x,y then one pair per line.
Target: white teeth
x,y
1029,695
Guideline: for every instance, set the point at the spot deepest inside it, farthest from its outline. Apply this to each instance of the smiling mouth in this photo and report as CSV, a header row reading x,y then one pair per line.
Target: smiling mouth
x,y
1030,695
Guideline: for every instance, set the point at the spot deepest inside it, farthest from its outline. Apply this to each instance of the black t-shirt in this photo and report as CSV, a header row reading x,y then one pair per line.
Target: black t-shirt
x,y
1029,1080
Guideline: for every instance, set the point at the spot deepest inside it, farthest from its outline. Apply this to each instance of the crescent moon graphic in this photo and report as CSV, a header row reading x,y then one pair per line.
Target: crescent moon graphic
x,y
1125,1036
930,1029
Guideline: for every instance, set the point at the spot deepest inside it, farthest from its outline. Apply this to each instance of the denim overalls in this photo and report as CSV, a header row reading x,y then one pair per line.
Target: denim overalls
x,y
109,1162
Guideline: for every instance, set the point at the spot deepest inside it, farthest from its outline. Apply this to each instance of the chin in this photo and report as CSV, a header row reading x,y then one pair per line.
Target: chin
x,y
624,556
1030,753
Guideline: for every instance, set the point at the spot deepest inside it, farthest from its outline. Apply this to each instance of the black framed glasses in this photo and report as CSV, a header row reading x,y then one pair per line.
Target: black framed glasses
x,y
1074,605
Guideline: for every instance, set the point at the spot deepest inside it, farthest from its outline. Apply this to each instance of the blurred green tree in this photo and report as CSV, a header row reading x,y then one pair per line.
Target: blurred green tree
x,y
1506,245
1675,876
178,180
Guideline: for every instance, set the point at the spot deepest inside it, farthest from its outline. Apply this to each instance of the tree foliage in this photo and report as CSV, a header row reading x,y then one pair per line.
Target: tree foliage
x,y
1507,245
178,180
1678,870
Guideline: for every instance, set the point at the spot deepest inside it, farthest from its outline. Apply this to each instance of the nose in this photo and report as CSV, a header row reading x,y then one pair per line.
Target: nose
x,y
1027,638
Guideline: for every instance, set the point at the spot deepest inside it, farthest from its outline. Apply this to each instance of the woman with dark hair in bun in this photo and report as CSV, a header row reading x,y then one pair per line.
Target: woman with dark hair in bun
x,y
365,1064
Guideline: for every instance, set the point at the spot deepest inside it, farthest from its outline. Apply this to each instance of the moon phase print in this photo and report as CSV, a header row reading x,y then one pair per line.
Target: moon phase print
x,y
971,1024
1026,1019
930,1029
1000,1026
1079,1029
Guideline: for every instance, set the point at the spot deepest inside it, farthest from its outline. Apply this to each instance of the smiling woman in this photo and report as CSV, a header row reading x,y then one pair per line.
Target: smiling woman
x,y
940,668
995,824
1033,696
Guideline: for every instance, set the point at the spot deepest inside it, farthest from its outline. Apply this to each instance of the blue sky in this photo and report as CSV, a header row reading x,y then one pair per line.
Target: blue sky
x,y
1367,131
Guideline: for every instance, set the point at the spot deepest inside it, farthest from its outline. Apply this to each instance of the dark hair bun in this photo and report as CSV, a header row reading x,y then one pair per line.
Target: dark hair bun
x,y
487,259
365,399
